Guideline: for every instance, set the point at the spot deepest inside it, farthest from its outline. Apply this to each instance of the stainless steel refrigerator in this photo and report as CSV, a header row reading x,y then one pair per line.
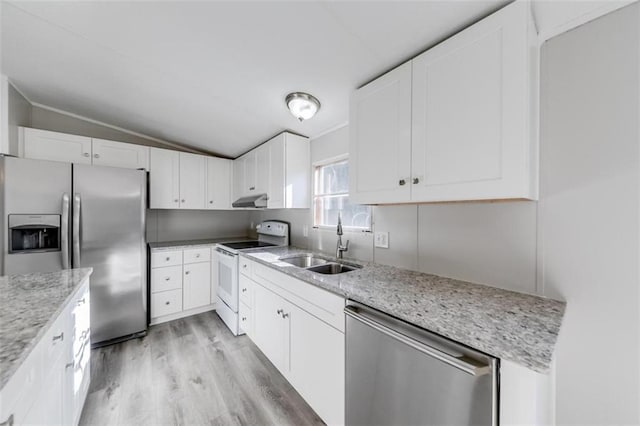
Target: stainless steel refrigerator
x,y
57,216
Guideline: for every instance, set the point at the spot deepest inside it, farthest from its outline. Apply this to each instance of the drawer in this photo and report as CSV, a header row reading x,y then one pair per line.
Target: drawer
x,y
166,258
197,255
163,279
244,318
58,338
166,303
245,289
245,266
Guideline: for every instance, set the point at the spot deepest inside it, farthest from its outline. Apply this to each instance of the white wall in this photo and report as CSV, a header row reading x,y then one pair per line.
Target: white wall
x,y
589,214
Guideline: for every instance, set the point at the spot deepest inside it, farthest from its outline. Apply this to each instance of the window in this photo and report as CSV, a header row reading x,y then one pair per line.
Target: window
x,y
331,196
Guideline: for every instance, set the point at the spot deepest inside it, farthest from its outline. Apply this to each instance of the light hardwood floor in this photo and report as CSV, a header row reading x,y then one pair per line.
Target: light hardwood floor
x,y
191,371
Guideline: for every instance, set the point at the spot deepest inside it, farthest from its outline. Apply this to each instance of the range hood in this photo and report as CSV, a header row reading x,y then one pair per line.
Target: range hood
x,y
258,201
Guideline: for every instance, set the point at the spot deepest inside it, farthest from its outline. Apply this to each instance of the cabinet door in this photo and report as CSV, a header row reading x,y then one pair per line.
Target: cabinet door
x,y
269,326
250,171
317,364
192,181
276,191
45,145
218,183
164,179
380,139
471,136
119,154
196,285
263,168
214,276
238,178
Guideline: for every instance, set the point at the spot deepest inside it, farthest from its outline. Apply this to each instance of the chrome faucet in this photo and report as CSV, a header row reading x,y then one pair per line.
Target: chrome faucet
x,y
340,248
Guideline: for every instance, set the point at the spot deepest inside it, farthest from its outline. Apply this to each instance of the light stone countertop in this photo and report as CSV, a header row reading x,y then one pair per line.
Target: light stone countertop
x,y
508,325
187,244
29,305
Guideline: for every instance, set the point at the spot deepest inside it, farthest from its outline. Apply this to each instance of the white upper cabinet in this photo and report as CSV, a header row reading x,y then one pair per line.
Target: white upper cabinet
x,y
54,146
472,112
281,168
192,181
164,179
380,139
472,119
119,154
218,183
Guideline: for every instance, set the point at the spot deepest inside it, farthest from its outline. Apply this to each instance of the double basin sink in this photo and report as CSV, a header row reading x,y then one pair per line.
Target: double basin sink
x,y
320,265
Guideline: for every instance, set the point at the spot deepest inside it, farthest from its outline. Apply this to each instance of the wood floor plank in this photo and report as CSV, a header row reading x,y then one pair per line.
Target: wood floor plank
x,y
191,371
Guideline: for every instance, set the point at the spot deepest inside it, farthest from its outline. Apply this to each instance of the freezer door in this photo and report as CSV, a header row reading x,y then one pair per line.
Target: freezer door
x,y
32,187
109,236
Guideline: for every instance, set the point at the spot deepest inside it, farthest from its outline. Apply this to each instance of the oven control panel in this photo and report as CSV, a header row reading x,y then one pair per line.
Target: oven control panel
x,y
274,228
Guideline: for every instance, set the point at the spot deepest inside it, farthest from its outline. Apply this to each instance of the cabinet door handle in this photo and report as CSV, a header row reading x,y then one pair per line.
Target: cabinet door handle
x,y
198,255
401,182
175,201
58,337
68,365
86,154
186,272
167,279
244,318
285,316
416,180
210,201
168,259
244,266
279,311
252,188
96,155
81,302
182,201
166,303
244,290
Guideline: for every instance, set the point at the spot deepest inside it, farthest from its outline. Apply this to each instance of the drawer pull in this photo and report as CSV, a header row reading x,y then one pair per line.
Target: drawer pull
x,y
167,279
166,303
198,255
186,272
183,200
58,337
96,155
81,302
167,259
8,422
244,318
210,201
69,365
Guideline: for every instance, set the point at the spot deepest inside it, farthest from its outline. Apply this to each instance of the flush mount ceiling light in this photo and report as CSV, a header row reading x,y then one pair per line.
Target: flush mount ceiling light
x,y
303,106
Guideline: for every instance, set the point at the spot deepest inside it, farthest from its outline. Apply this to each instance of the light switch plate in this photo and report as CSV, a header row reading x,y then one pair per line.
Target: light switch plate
x,y
382,239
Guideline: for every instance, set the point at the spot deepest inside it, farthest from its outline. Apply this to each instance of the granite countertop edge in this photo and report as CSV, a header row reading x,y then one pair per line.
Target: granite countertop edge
x,y
8,368
512,326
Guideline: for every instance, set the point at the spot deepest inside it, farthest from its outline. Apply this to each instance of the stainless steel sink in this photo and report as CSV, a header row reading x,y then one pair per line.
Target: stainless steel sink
x,y
333,268
304,261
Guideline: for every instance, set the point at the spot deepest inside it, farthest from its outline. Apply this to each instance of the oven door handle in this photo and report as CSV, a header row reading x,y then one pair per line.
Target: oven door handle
x,y
224,252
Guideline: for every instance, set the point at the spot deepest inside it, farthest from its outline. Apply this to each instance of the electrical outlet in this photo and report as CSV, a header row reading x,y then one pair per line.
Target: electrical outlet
x,y
382,239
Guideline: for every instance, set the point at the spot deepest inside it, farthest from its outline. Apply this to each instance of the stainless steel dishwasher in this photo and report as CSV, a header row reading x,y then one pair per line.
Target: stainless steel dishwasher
x,y
399,374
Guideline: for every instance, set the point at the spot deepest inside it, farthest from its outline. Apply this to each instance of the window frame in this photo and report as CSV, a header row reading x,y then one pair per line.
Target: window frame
x,y
314,196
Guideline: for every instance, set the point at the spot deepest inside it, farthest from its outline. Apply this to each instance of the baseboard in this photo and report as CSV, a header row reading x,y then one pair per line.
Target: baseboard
x,y
183,314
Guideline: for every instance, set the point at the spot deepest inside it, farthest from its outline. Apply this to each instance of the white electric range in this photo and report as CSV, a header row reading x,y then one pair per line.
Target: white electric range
x,y
271,233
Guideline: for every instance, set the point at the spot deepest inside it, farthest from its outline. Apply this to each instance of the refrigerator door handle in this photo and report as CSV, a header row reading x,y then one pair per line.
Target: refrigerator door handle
x,y
76,230
64,237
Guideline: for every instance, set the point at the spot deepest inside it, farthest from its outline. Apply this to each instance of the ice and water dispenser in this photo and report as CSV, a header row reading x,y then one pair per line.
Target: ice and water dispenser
x,y
34,233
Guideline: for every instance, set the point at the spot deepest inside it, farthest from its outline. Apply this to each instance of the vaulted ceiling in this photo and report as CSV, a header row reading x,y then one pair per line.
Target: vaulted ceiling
x,y
214,75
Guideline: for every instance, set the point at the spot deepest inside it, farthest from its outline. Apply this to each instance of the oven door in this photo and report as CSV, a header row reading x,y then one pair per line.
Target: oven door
x,y
228,278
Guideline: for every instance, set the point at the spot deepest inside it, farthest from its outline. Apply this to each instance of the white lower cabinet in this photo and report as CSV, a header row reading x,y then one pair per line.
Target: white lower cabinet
x,y
51,384
196,285
181,283
307,350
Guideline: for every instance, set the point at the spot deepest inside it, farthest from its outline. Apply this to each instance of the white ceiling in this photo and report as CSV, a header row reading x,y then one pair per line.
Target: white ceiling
x,y
213,75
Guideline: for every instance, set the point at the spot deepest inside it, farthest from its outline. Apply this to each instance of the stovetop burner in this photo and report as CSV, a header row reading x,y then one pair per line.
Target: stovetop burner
x,y
247,245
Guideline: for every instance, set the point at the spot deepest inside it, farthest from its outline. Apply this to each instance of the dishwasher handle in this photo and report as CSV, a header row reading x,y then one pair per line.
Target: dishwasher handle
x,y
457,362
